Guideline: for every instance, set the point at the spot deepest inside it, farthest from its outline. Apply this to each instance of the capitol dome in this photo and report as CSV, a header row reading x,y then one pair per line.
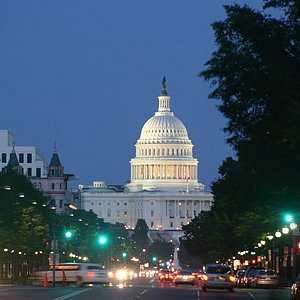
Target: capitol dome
x,y
164,153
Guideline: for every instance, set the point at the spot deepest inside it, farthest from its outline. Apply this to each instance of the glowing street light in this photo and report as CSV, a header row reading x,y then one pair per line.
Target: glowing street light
x,y
6,187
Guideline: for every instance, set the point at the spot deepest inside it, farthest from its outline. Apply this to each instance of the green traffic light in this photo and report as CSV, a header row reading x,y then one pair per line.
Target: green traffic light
x,y
288,218
102,240
124,254
68,234
154,258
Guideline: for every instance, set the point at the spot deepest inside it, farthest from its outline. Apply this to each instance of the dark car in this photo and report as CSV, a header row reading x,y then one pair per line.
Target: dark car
x,y
165,275
239,278
295,289
250,275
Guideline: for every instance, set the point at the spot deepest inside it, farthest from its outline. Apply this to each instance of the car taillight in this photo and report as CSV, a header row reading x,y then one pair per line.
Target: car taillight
x,y
232,278
205,277
91,274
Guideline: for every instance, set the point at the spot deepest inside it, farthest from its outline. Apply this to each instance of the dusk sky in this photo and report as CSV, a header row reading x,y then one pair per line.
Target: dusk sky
x,y
86,75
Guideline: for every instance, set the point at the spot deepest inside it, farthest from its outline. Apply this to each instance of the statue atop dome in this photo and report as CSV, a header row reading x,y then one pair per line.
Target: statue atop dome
x,y
164,90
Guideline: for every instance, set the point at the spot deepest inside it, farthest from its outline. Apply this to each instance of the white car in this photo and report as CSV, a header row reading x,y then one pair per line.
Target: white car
x,y
79,273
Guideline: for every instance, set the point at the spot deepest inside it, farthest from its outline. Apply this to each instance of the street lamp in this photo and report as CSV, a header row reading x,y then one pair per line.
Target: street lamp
x,y
285,230
6,187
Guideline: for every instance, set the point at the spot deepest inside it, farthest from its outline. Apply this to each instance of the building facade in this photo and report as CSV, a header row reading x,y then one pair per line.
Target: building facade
x,y
30,158
164,188
50,179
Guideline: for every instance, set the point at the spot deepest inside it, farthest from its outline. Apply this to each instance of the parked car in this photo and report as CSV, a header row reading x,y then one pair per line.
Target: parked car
x,y
266,278
295,289
185,277
239,277
218,276
249,275
165,275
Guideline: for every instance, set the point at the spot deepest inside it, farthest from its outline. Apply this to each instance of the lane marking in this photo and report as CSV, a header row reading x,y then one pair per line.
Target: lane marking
x,y
143,292
198,295
251,295
72,294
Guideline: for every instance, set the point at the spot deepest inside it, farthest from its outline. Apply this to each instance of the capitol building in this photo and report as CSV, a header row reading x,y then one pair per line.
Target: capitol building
x,y
164,189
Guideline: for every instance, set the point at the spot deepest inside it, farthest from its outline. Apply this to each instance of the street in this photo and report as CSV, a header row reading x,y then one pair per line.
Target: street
x,y
140,289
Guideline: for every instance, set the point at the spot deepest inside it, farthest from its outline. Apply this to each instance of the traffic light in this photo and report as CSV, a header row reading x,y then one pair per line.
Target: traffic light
x,y
68,233
124,254
288,218
102,240
154,258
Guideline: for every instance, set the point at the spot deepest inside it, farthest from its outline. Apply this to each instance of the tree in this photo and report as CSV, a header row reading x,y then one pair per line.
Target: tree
x,y
255,77
161,250
23,225
140,234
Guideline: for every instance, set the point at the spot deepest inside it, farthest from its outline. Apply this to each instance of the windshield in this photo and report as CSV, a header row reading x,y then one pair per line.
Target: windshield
x,y
218,270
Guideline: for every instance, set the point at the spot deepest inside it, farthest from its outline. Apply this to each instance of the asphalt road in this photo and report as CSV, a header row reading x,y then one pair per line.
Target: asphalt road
x,y
138,290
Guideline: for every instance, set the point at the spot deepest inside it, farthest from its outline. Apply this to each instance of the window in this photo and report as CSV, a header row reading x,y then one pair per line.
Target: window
x,y
4,158
152,224
29,172
61,203
152,213
171,224
52,186
29,158
21,158
109,212
118,214
60,186
125,214
38,172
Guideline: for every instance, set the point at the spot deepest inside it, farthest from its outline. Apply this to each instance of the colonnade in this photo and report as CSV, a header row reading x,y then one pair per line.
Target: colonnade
x,y
164,171
185,208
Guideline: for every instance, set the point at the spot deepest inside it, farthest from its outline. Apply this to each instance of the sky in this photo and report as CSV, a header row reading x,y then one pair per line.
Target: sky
x,y
86,75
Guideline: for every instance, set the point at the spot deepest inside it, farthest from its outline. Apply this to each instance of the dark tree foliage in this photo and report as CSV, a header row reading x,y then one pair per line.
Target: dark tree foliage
x,y
255,76
161,250
24,222
140,234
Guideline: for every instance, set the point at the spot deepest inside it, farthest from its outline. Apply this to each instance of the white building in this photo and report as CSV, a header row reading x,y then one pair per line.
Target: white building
x,y
30,158
164,188
50,180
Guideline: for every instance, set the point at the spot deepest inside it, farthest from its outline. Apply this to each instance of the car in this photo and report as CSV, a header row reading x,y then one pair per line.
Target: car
x,y
185,277
239,277
218,276
249,275
78,273
265,278
295,289
165,275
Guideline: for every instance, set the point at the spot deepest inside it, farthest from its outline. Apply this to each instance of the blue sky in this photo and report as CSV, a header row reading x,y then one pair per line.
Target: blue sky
x,y
86,75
